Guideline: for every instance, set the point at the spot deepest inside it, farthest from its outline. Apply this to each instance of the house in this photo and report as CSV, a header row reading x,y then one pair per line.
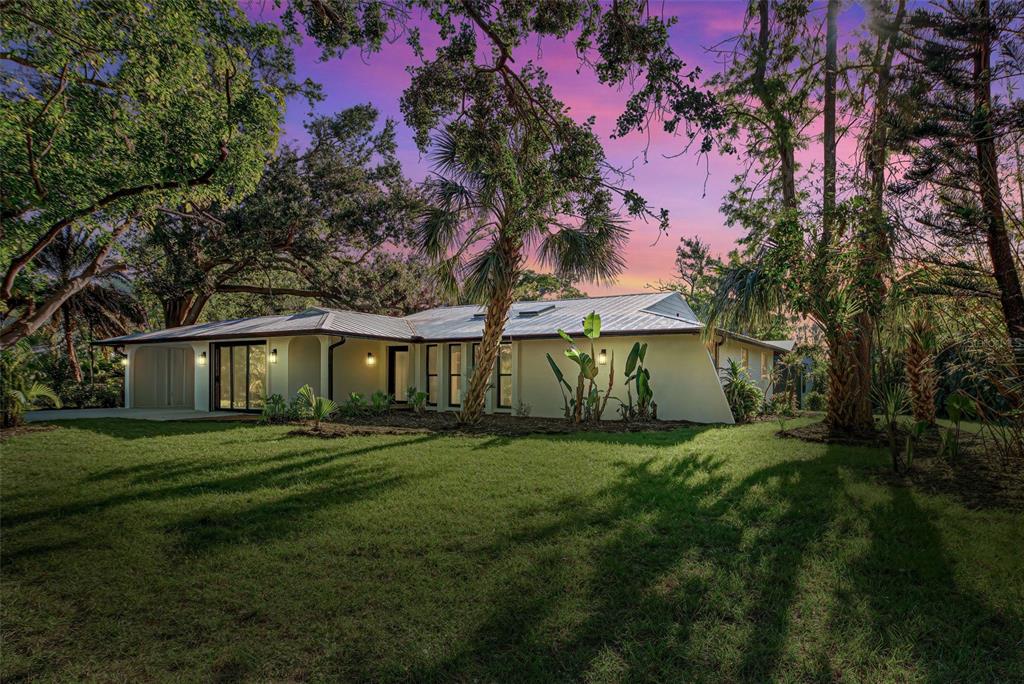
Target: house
x,y
233,365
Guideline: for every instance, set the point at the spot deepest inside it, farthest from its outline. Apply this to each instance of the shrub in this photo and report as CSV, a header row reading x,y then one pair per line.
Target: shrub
x,y
779,405
523,409
275,410
380,403
815,401
100,395
320,408
417,400
744,396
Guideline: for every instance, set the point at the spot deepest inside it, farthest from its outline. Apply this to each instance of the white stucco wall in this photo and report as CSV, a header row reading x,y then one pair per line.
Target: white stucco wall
x,y
353,374
303,364
760,369
686,385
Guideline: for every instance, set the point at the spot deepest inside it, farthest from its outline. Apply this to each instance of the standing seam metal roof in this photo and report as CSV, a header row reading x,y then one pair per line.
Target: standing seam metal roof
x,y
656,312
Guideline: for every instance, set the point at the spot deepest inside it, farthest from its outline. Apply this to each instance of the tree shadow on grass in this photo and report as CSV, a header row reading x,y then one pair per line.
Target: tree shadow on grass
x,y
653,438
906,590
286,470
687,551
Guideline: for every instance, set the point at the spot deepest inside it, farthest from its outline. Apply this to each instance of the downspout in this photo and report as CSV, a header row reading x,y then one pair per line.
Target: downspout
x,y
330,367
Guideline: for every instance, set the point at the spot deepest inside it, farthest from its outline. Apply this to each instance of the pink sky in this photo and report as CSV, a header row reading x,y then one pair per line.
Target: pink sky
x,y
677,184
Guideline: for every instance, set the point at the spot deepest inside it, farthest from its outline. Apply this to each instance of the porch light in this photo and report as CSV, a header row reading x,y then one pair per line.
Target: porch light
x,y
370,359
202,358
273,355
124,361
602,358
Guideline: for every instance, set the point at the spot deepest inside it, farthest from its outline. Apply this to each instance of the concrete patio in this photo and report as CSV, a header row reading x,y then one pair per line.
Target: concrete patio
x,y
131,414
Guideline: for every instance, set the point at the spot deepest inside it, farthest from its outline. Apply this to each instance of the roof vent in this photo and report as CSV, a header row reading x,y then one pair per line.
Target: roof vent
x,y
535,311
480,316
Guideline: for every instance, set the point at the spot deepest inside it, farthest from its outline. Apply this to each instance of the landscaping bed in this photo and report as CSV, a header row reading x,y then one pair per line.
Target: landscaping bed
x,y
410,422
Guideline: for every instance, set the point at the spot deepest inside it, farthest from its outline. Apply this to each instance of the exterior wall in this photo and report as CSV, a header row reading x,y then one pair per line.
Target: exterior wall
x,y
161,376
303,364
353,374
760,368
686,386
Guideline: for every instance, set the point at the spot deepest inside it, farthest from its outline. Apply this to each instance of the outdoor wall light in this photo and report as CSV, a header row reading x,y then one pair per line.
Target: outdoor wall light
x,y
273,355
124,361
202,358
370,359
602,358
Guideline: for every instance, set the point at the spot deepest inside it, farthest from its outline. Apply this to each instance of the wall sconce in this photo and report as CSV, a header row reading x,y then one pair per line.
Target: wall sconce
x,y
202,358
273,355
602,358
124,361
370,359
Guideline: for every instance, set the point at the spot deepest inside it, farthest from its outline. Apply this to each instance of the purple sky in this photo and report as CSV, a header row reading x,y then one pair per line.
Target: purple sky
x,y
677,184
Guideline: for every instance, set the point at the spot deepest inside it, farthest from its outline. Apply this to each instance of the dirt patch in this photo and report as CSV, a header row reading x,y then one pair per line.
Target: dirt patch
x,y
819,432
408,422
28,428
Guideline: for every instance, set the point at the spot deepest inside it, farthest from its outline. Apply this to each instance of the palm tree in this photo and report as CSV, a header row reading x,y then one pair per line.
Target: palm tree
x,y
503,192
105,306
20,388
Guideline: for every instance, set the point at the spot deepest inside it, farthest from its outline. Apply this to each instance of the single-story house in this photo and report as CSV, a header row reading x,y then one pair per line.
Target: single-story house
x,y
234,365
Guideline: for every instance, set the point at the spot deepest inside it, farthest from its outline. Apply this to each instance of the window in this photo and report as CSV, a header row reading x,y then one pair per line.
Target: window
x,y
454,374
765,370
505,376
432,374
744,358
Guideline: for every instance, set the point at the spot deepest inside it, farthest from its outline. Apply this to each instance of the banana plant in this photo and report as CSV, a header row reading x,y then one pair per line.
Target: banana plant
x,y
586,402
637,374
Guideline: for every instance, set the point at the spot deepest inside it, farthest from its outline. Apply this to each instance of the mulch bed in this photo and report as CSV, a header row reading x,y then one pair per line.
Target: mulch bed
x,y
27,428
408,422
977,478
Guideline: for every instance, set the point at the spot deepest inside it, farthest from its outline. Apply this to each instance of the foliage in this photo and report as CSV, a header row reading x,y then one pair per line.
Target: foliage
x,y
315,228
587,403
380,403
113,111
20,390
523,409
815,401
894,402
640,377
319,408
104,394
743,394
417,399
958,407
696,276
275,410
533,286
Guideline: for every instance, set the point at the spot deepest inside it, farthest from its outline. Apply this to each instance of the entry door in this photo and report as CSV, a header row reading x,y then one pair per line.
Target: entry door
x,y
240,381
398,373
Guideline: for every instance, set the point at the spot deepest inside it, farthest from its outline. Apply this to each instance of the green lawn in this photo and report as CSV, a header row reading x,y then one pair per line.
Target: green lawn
x,y
228,551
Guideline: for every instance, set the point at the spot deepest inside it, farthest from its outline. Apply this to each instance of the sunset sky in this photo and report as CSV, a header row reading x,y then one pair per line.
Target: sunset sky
x,y
677,184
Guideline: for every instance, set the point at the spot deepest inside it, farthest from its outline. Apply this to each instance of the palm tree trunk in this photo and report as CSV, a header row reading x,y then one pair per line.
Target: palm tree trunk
x,y
498,307
849,384
69,347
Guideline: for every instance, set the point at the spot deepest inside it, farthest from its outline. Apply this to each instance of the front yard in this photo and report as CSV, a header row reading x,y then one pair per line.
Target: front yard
x,y
229,551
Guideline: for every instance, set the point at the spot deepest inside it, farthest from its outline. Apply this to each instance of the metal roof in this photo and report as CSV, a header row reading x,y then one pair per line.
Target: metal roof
x,y
656,312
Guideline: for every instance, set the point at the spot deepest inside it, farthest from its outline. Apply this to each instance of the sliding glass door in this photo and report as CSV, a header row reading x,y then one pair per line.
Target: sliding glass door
x,y
240,377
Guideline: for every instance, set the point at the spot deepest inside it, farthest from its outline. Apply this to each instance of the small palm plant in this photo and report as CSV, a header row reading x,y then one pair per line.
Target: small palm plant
x,y
19,391
320,408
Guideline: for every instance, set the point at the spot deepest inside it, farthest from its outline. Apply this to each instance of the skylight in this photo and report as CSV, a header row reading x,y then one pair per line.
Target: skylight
x,y
535,310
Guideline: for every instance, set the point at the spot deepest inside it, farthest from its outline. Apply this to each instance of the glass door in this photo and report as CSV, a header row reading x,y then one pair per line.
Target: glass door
x,y
240,380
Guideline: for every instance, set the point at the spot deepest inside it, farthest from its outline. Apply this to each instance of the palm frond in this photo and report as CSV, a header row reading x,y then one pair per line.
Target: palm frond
x,y
592,252
748,296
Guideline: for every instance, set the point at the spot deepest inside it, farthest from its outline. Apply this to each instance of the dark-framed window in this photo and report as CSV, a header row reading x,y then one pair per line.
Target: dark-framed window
x,y
505,376
432,386
239,375
454,374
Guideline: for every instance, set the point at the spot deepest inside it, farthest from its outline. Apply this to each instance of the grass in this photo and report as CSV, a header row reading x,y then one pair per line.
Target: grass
x,y
232,552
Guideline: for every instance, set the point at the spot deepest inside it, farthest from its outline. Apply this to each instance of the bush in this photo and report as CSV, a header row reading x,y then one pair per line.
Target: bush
x,y
275,410
100,395
779,405
815,401
417,400
744,396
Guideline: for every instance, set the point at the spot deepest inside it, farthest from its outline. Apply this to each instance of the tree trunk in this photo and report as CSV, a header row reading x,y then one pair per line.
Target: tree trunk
x,y
184,310
498,308
69,347
849,384
828,204
998,241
